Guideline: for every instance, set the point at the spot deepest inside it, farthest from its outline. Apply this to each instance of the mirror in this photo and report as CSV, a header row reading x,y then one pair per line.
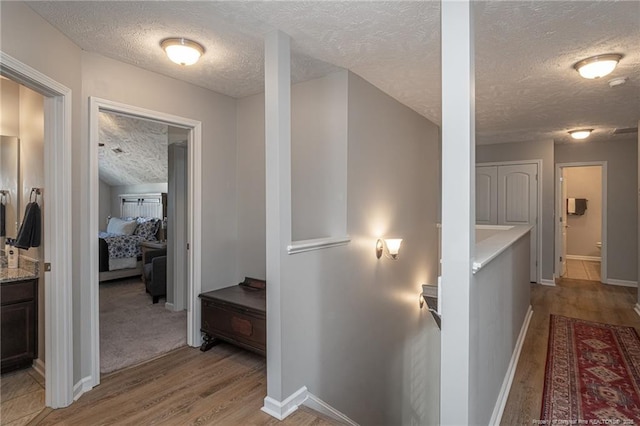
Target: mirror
x,y
9,195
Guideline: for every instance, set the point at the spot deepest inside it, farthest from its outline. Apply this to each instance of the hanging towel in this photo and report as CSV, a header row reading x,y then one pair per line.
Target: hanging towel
x,y
3,220
571,206
30,230
581,206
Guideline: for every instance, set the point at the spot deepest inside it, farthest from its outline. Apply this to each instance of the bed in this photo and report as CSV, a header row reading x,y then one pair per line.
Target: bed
x,y
120,254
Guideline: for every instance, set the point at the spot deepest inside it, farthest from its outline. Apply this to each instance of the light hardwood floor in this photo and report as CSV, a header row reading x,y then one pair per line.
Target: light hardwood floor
x,y
589,300
224,386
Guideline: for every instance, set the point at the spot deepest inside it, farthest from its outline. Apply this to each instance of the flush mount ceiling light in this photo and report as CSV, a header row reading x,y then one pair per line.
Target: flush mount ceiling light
x,y
580,133
597,66
182,51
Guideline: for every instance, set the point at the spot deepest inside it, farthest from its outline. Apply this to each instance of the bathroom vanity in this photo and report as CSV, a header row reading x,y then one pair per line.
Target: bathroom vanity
x,y
18,317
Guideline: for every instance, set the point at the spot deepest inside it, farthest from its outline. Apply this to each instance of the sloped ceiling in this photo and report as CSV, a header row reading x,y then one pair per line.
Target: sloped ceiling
x,y
526,88
144,157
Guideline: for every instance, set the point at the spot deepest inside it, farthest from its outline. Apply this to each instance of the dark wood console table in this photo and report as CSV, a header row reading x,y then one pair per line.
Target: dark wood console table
x,y
236,314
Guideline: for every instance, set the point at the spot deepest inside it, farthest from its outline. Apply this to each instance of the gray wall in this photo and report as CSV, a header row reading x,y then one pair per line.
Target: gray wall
x,y
353,332
318,157
500,298
539,150
622,208
584,230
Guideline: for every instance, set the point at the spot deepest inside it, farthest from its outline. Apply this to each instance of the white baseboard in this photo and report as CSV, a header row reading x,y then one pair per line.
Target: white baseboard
x,y
623,283
280,410
322,407
39,367
83,385
580,257
168,306
498,409
637,308
551,283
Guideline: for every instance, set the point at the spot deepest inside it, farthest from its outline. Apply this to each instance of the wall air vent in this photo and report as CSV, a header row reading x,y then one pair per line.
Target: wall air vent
x,y
117,150
626,131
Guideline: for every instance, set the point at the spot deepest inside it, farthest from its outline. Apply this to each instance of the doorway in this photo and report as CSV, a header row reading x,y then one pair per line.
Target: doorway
x,y
581,206
192,132
138,318
57,227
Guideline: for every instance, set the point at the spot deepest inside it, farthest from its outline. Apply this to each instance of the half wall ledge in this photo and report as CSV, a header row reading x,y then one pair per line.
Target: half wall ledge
x,y
317,244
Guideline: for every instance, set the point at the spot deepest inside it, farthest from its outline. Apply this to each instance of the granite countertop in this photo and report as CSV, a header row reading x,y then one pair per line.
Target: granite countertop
x,y
28,270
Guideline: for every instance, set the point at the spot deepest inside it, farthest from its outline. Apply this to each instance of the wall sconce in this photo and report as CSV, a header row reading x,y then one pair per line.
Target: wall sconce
x,y
390,247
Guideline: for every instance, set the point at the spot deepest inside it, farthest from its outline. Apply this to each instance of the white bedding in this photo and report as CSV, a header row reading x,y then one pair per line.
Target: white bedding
x,y
122,263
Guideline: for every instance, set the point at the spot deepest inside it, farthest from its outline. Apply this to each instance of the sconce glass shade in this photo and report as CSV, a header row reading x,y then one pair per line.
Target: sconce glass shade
x,y
182,51
581,133
598,66
390,247
393,246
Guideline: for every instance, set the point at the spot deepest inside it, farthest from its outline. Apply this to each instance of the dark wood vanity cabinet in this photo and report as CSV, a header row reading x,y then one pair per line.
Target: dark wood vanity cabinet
x,y
19,324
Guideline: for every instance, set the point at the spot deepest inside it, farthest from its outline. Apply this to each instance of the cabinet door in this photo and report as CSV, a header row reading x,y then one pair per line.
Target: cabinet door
x,y
18,329
487,195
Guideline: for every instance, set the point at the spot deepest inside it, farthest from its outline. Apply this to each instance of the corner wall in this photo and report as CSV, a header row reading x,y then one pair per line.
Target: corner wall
x,y
353,332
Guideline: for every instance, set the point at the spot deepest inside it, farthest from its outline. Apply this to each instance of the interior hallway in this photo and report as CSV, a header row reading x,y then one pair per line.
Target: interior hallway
x,y
223,386
588,300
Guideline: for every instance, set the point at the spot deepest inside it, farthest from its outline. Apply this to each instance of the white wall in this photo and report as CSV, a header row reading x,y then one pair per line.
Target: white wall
x,y
585,230
353,332
622,208
500,297
538,150
9,102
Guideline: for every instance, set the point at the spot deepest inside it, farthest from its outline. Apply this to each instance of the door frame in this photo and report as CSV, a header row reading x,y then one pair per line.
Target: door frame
x,y
58,302
194,237
540,222
559,205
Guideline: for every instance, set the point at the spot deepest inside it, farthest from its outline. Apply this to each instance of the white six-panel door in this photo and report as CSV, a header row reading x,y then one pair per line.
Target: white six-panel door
x,y
508,195
487,195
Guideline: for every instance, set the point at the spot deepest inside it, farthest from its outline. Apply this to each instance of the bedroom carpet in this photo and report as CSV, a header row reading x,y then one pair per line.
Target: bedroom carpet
x,y
132,329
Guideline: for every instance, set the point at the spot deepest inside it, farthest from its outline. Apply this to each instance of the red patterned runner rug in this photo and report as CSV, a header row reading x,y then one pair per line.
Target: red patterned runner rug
x,y
592,374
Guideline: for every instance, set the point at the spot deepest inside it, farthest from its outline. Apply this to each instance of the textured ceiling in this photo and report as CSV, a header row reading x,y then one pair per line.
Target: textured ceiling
x,y
526,88
144,144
